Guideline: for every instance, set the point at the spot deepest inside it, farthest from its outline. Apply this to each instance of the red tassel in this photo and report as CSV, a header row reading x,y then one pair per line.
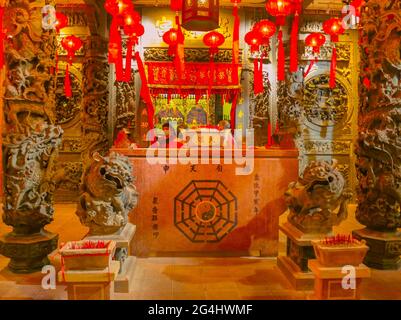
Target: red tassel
x,y
333,66
67,84
179,59
145,93
233,111
310,67
280,57
115,38
294,44
128,59
236,35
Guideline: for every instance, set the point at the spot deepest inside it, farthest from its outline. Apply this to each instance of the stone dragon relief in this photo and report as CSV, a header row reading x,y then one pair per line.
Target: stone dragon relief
x,y
125,104
29,83
378,147
107,194
29,174
318,200
95,94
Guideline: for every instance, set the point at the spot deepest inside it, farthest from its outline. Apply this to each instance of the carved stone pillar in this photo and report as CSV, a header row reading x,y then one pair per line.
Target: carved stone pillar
x,y
31,139
378,146
95,102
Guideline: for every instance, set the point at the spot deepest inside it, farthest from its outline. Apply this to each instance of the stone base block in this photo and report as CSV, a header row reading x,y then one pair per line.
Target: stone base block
x,y
384,248
28,253
328,282
124,282
300,280
90,284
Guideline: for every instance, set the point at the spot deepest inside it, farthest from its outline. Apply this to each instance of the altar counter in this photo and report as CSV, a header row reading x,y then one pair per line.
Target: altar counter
x,y
206,209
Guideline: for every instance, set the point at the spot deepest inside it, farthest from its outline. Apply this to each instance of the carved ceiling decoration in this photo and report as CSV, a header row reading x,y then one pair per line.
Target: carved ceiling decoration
x,y
343,52
191,55
324,106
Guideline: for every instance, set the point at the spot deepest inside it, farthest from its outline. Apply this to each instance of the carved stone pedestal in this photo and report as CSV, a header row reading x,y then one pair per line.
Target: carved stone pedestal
x,y
28,253
299,251
384,248
328,282
124,280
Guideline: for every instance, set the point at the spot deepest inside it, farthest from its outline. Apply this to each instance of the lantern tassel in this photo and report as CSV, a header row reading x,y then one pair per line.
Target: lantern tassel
x,y
67,84
145,94
128,59
233,111
280,57
294,44
333,66
179,56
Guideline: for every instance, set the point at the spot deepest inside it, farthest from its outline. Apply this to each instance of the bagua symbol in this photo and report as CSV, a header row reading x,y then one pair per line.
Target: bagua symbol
x,y
49,17
350,19
188,145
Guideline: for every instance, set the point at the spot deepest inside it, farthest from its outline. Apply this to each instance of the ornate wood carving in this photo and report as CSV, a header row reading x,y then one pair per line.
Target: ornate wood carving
x,y
378,146
191,55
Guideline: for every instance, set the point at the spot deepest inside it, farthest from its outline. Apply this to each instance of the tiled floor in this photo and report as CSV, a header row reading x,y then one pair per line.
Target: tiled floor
x,y
191,278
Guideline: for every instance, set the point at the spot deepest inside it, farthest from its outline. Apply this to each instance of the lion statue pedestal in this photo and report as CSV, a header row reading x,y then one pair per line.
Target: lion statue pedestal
x,y
316,202
107,197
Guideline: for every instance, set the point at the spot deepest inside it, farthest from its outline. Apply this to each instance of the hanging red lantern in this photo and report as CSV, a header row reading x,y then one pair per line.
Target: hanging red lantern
x,y
176,5
213,40
266,30
133,31
172,37
61,21
280,9
314,40
334,28
118,9
254,40
71,44
200,15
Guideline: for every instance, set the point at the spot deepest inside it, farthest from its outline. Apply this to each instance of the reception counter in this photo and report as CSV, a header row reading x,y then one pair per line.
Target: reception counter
x,y
209,209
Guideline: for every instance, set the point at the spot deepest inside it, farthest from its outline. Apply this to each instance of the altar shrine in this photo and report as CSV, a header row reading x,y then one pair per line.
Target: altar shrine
x,y
200,149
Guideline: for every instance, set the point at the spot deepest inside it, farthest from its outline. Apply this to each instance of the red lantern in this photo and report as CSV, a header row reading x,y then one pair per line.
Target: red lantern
x,y
266,30
118,9
71,44
213,40
200,15
279,9
172,37
176,5
254,40
61,21
334,28
315,40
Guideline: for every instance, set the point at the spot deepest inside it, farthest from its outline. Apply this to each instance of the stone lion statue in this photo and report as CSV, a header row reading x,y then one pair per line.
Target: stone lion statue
x,y
318,200
107,194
